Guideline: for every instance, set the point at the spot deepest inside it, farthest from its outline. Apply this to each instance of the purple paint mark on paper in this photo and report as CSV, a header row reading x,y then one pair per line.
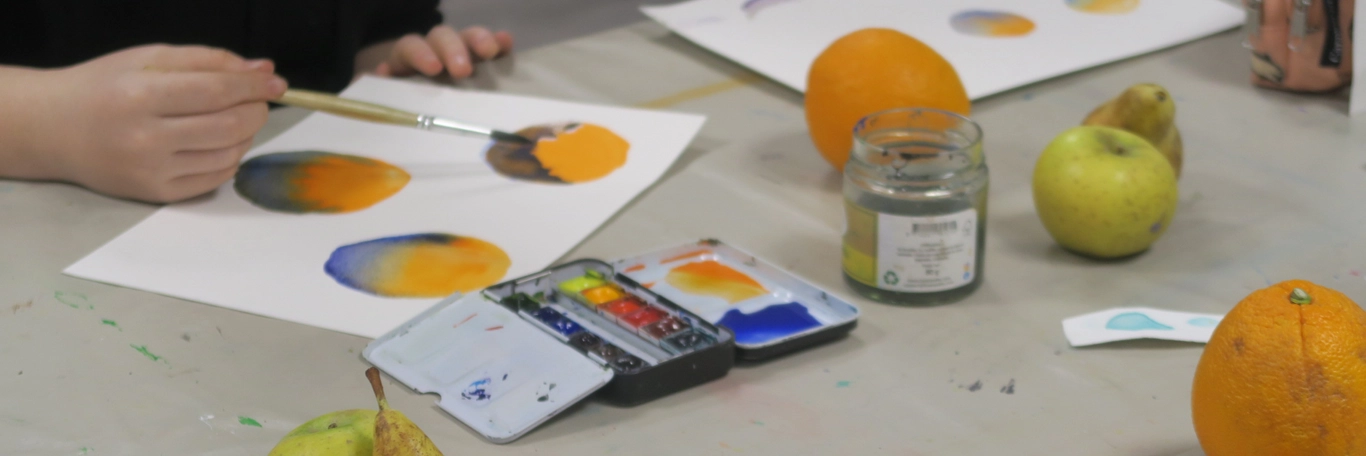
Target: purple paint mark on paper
x,y
752,7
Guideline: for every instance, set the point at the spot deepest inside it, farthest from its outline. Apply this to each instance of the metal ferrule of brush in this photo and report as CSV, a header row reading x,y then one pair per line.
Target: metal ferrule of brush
x,y
427,122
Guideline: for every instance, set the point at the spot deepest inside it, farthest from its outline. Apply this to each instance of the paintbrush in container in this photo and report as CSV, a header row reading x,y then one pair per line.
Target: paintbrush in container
x,y
371,112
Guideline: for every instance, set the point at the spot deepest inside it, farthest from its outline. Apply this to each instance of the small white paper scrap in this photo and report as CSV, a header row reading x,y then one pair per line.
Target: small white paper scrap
x,y
1126,323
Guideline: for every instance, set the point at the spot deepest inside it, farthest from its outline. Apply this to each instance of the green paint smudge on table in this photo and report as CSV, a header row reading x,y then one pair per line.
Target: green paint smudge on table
x,y
247,421
73,300
143,349
112,323
842,384
85,450
757,422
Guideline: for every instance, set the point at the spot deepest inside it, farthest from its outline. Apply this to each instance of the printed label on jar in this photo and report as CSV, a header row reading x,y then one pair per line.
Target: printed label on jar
x,y
926,254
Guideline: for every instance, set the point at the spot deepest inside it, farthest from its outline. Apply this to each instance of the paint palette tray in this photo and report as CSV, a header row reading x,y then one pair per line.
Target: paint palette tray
x,y
769,311
510,357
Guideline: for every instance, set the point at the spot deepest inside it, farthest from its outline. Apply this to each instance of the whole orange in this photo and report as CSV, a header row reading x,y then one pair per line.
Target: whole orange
x,y
871,70
1284,375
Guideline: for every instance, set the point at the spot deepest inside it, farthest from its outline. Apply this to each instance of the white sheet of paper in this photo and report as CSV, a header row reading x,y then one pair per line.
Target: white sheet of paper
x,y
224,251
1357,105
1126,323
781,38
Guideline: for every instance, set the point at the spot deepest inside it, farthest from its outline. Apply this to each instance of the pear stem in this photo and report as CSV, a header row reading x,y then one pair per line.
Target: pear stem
x,y
373,374
1299,297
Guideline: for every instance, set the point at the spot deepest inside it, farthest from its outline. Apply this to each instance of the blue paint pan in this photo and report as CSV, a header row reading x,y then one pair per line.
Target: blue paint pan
x,y
769,310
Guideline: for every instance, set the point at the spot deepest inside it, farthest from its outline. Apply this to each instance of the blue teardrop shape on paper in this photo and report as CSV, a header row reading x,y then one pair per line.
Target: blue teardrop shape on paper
x,y
1204,322
1134,321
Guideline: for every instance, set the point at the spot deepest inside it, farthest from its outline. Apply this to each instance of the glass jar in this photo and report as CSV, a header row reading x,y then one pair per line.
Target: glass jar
x,y
915,198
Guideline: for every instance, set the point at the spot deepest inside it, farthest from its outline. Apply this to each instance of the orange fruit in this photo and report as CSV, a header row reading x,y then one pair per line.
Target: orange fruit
x,y
1284,375
872,70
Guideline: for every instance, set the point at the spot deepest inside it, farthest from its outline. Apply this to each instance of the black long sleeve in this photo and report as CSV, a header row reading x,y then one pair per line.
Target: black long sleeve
x,y
313,42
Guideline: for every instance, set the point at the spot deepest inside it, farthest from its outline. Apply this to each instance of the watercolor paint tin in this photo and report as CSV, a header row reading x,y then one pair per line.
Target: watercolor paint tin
x,y
769,311
508,358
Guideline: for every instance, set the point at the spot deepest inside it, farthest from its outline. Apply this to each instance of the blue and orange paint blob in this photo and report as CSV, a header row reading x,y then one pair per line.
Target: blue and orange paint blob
x,y
991,24
423,265
571,153
711,278
317,182
1103,6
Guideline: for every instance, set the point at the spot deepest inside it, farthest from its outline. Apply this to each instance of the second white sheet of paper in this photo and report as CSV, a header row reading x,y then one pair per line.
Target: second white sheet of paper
x,y
780,38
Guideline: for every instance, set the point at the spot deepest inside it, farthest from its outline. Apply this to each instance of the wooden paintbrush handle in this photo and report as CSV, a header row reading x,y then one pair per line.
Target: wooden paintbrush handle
x,y
349,108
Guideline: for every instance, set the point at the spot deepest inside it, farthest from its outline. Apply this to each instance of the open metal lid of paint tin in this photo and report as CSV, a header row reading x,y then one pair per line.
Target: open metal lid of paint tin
x,y
770,311
508,358
499,382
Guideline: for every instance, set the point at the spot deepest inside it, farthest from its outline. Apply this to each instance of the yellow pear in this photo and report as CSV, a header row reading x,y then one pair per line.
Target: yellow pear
x,y
395,434
1148,111
340,433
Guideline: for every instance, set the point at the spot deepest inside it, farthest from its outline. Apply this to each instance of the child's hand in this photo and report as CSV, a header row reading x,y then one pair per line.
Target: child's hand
x,y
154,123
444,49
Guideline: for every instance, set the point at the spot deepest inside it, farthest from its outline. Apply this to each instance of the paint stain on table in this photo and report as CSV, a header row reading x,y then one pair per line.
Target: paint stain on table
x,y
114,324
73,300
248,421
148,354
17,307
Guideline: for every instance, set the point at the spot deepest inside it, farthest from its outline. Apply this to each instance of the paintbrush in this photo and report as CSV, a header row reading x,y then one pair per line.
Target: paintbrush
x,y
333,104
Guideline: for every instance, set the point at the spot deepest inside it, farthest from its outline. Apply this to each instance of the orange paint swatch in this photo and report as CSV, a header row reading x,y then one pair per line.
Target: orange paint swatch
x,y
602,294
710,278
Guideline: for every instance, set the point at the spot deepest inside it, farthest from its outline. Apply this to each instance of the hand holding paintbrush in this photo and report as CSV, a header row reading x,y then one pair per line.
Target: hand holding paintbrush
x,y
150,123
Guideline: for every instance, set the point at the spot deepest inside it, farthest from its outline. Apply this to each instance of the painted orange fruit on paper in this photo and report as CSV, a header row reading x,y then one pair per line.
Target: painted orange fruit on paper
x,y
872,70
571,153
1284,375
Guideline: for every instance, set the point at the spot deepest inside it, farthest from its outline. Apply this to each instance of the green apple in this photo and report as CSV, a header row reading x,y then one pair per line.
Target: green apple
x,y
1104,192
340,433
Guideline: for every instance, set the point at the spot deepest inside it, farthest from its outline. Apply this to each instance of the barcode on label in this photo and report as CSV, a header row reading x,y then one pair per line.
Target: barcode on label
x,y
934,228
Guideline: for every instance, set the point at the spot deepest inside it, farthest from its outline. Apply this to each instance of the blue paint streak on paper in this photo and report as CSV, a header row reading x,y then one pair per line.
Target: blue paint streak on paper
x,y
1204,322
771,323
1134,321
478,391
